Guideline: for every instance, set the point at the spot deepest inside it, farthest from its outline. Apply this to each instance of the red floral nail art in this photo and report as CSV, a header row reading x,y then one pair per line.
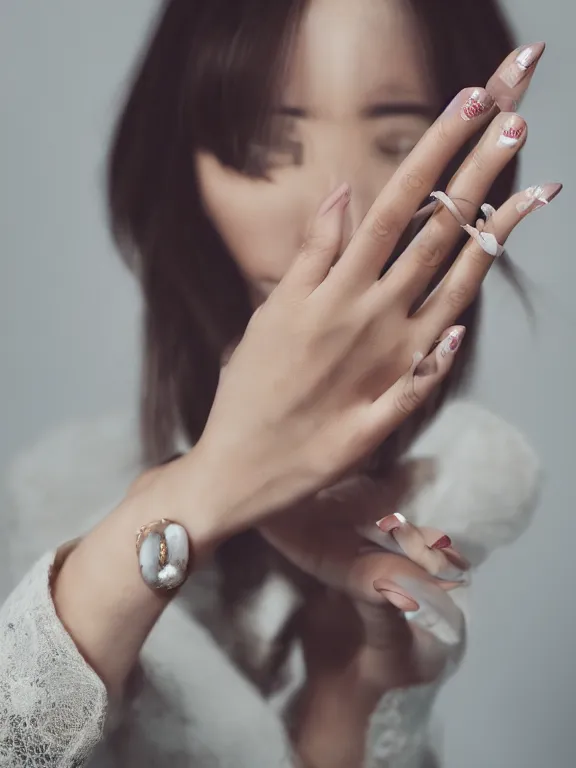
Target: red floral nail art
x,y
478,103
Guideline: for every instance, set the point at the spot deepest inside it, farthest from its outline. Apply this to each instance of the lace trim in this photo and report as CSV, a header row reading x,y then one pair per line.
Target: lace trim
x,y
52,704
398,734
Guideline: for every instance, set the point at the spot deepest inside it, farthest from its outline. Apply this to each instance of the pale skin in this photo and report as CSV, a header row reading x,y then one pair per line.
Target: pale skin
x,y
332,87
282,437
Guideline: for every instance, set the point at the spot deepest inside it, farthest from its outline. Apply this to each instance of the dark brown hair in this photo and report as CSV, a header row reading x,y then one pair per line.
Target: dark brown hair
x,y
206,80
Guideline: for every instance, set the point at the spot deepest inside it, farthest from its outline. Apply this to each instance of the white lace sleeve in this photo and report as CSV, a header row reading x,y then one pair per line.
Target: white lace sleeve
x,y
484,495
398,736
52,704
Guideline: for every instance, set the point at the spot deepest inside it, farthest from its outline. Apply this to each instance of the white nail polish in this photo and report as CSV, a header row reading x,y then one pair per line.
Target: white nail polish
x,y
512,132
538,196
452,573
452,342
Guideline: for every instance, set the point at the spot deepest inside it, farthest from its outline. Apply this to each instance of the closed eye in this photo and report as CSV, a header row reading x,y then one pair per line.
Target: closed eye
x,y
395,149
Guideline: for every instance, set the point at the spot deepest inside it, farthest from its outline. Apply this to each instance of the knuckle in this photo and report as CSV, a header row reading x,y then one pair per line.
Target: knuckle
x,y
428,254
413,179
408,399
458,297
315,244
383,229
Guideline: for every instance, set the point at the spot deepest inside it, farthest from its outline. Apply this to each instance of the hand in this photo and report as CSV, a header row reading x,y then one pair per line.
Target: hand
x,y
358,615
325,371
511,80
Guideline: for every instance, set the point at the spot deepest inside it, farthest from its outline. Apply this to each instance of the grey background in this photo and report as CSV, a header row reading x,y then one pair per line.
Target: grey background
x,y
69,330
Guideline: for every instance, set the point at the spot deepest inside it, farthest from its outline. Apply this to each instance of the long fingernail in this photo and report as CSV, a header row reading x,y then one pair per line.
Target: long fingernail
x,y
524,62
452,342
538,196
443,543
529,56
452,573
339,194
512,131
391,522
478,103
396,595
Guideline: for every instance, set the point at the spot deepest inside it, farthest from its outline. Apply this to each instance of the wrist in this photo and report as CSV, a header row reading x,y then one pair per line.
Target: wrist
x,y
209,499
350,684
331,722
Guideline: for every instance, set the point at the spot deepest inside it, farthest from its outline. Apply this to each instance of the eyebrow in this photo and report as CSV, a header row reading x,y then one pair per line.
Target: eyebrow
x,y
371,112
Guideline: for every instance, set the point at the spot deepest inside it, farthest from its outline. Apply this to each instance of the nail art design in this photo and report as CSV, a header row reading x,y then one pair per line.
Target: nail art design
x,y
443,543
511,134
391,522
529,56
538,196
478,103
522,64
452,342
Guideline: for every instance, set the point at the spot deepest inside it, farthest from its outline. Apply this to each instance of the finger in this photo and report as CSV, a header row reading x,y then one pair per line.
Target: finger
x,y
432,538
374,577
512,78
377,236
392,408
462,283
437,539
322,244
397,580
437,611
412,273
414,546
229,351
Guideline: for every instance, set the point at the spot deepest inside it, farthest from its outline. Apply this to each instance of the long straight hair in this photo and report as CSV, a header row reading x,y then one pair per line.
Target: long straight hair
x,y
207,80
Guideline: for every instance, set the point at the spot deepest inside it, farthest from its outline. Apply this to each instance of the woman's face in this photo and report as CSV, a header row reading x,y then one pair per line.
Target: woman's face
x,y
355,102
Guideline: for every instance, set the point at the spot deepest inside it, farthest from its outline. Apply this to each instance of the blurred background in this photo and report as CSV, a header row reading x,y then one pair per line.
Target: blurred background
x,y
69,317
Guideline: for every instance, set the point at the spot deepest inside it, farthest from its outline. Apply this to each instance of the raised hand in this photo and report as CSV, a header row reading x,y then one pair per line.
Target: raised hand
x,y
336,359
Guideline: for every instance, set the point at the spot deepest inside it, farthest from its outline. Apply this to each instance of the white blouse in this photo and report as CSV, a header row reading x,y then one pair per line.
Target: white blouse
x,y
187,703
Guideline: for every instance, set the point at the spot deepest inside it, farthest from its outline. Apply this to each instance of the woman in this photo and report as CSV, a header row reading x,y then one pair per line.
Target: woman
x,y
243,116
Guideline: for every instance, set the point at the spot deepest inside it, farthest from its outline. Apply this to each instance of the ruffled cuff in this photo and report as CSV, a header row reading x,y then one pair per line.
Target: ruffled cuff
x,y
53,706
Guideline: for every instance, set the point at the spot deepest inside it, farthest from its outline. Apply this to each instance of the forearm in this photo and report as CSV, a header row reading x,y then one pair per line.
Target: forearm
x,y
102,601
331,719
99,593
